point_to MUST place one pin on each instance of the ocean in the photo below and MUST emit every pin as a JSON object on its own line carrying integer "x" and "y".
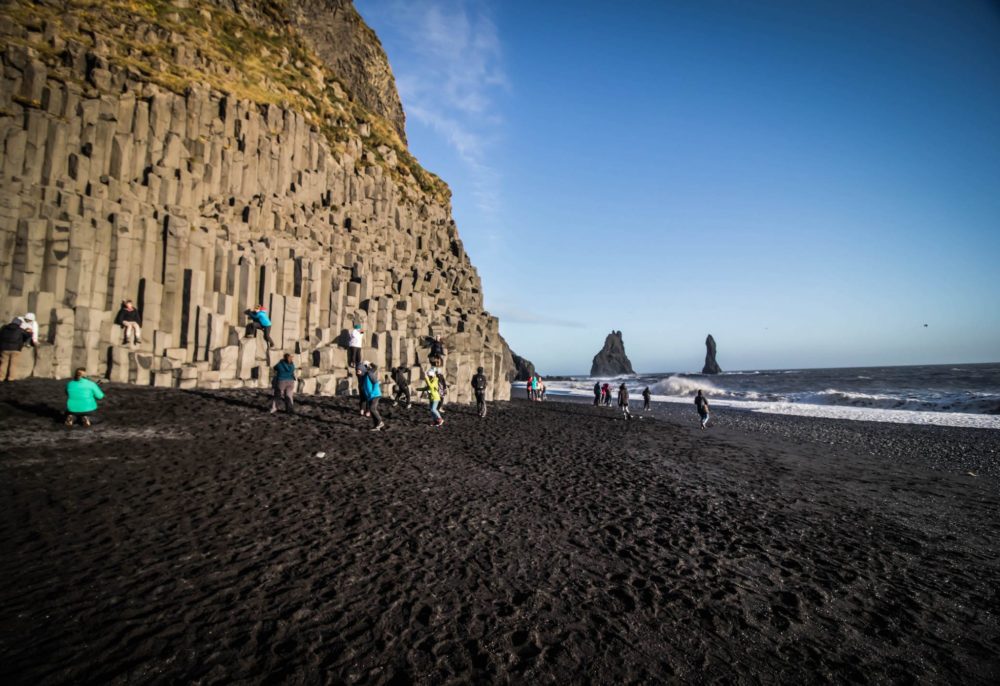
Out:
{"x": 948, "y": 395}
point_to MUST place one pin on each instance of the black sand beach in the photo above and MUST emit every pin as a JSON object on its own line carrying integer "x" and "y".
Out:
{"x": 192, "y": 537}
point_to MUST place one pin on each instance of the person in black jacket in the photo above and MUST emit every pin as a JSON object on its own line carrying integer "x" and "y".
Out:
{"x": 130, "y": 320}
{"x": 402, "y": 391}
{"x": 597, "y": 393}
{"x": 623, "y": 401}
{"x": 12, "y": 339}
{"x": 645, "y": 398}
{"x": 479, "y": 388}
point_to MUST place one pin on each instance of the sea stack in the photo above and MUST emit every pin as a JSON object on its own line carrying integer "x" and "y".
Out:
{"x": 612, "y": 360}
{"x": 711, "y": 366}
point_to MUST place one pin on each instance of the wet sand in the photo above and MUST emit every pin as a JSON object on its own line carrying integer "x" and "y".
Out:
{"x": 192, "y": 537}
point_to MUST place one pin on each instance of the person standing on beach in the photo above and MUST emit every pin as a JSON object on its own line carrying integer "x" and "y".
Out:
{"x": 12, "y": 339}
{"x": 129, "y": 319}
{"x": 259, "y": 321}
{"x": 541, "y": 389}
{"x": 284, "y": 384}
{"x": 356, "y": 340}
{"x": 361, "y": 371}
{"x": 623, "y": 401}
{"x": 645, "y": 398}
{"x": 527, "y": 387}
{"x": 534, "y": 387}
{"x": 597, "y": 393}
{"x": 373, "y": 391}
{"x": 606, "y": 389}
{"x": 479, "y": 388}
{"x": 82, "y": 395}
{"x": 701, "y": 402}
{"x": 431, "y": 386}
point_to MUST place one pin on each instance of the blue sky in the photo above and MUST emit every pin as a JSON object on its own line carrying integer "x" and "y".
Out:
{"x": 811, "y": 183}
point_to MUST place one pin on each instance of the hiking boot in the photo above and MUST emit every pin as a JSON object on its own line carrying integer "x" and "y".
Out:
{"x": 85, "y": 421}
{"x": 378, "y": 428}
{"x": 69, "y": 420}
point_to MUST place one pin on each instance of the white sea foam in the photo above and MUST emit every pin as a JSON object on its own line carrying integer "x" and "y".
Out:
{"x": 681, "y": 389}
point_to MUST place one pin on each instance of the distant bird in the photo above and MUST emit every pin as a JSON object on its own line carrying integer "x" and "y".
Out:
{"x": 925, "y": 326}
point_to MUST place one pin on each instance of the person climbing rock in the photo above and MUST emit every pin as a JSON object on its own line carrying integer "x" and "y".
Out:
{"x": 356, "y": 341}
{"x": 259, "y": 320}
{"x": 13, "y": 338}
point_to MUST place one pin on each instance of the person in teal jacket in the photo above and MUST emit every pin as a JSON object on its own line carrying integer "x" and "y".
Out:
{"x": 259, "y": 319}
{"x": 82, "y": 395}
{"x": 371, "y": 389}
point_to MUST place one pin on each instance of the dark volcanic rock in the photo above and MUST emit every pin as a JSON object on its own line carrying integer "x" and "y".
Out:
{"x": 525, "y": 369}
{"x": 612, "y": 359}
{"x": 711, "y": 366}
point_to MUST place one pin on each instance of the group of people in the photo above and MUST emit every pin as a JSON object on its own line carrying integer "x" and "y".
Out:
{"x": 535, "y": 388}
{"x": 602, "y": 396}
{"x": 370, "y": 383}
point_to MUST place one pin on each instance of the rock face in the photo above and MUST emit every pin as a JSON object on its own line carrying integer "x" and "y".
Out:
{"x": 524, "y": 369}
{"x": 612, "y": 360}
{"x": 711, "y": 366}
{"x": 155, "y": 156}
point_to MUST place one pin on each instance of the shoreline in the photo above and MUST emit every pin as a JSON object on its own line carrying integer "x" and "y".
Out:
{"x": 190, "y": 536}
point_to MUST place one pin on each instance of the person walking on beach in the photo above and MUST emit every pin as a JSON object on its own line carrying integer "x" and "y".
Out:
{"x": 606, "y": 389}
{"x": 402, "y": 390}
{"x": 527, "y": 387}
{"x": 541, "y": 389}
{"x": 373, "y": 391}
{"x": 597, "y": 393}
{"x": 431, "y": 386}
{"x": 13, "y": 338}
{"x": 361, "y": 371}
{"x": 356, "y": 340}
{"x": 534, "y": 387}
{"x": 479, "y": 388}
{"x": 259, "y": 321}
{"x": 129, "y": 319}
{"x": 645, "y": 398}
{"x": 701, "y": 402}
{"x": 623, "y": 401}
{"x": 82, "y": 395}
{"x": 284, "y": 384}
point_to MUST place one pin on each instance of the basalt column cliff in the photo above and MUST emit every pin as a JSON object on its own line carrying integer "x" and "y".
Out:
{"x": 203, "y": 157}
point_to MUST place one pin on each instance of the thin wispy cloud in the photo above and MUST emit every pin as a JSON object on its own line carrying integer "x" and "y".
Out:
{"x": 522, "y": 316}
{"x": 449, "y": 76}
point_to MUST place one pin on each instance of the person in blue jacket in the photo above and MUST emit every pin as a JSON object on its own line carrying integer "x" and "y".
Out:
{"x": 259, "y": 320}
{"x": 372, "y": 390}
{"x": 284, "y": 384}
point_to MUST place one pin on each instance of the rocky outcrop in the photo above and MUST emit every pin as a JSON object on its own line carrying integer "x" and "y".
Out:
{"x": 611, "y": 360}
{"x": 711, "y": 366}
{"x": 524, "y": 369}
{"x": 152, "y": 155}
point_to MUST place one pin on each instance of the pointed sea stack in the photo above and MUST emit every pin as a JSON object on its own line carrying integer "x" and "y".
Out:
{"x": 711, "y": 366}
{"x": 612, "y": 360}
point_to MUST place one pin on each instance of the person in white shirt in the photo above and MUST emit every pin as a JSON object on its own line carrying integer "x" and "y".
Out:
{"x": 30, "y": 324}
{"x": 355, "y": 343}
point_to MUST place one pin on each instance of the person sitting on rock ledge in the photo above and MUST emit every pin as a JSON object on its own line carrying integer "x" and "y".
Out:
{"x": 259, "y": 321}
{"x": 130, "y": 320}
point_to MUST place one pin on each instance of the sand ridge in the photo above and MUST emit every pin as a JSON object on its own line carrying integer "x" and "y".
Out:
{"x": 550, "y": 543}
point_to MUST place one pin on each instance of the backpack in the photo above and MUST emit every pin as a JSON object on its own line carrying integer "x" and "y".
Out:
{"x": 480, "y": 382}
